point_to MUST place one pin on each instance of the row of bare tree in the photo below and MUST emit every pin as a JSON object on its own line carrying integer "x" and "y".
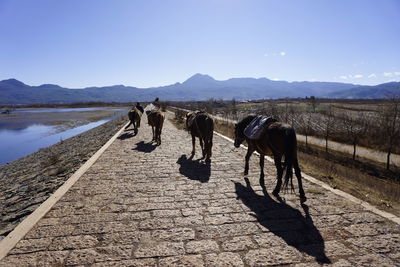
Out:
{"x": 378, "y": 129}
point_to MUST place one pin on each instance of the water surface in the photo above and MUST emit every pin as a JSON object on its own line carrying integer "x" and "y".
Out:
{"x": 18, "y": 142}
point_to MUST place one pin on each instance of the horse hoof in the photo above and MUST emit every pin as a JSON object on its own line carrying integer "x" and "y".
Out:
{"x": 303, "y": 199}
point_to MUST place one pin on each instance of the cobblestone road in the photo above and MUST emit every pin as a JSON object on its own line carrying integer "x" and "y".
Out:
{"x": 141, "y": 205}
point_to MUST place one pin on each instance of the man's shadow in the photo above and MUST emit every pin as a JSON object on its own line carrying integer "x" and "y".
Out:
{"x": 284, "y": 221}
{"x": 194, "y": 169}
{"x": 144, "y": 147}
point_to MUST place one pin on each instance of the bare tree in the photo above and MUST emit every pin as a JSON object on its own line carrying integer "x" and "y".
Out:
{"x": 328, "y": 121}
{"x": 390, "y": 126}
{"x": 209, "y": 105}
{"x": 356, "y": 126}
{"x": 305, "y": 124}
{"x": 286, "y": 111}
{"x": 313, "y": 102}
{"x": 292, "y": 113}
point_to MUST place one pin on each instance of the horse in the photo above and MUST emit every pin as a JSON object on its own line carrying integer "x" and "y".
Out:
{"x": 280, "y": 139}
{"x": 155, "y": 119}
{"x": 134, "y": 116}
{"x": 201, "y": 125}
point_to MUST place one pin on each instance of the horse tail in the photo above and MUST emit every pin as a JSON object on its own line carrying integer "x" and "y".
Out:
{"x": 290, "y": 147}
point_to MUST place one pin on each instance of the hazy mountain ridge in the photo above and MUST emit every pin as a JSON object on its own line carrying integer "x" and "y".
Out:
{"x": 383, "y": 90}
{"x": 197, "y": 87}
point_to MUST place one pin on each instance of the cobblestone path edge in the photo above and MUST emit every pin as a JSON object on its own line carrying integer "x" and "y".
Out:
{"x": 9, "y": 242}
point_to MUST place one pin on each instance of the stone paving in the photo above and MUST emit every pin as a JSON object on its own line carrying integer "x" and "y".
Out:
{"x": 145, "y": 205}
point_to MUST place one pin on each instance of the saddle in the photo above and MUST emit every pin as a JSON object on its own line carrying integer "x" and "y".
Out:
{"x": 258, "y": 126}
{"x": 192, "y": 117}
{"x": 137, "y": 111}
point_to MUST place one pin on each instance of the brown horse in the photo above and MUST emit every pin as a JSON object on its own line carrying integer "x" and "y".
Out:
{"x": 201, "y": 125}
{"x": 134, "y": 116}
{"x": 280, "y": 139}
{"x": 155, "y": 119}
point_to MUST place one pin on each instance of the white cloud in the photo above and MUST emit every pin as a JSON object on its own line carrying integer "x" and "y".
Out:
{"x": 283, "y": 53}
{"x": 387, "y": 74}
{"x": 397, "y": 73}
{"x": 344, "y": 77}
{"x": 373, "y": 75}
{"x": 275, "y": 79}
{"x": 357, "y": 76}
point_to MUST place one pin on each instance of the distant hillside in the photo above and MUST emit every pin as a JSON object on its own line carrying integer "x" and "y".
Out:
{"x": 383, "y": 90}
{"x": 197, "y": 87}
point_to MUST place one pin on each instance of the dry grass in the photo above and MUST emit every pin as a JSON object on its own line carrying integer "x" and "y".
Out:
{"x": 179, "y": 119}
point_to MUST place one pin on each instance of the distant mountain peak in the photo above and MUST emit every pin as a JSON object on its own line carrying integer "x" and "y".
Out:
{"x": 13, "y": 82}
{"x": 199, "y": 78}
{"x": 49, "y": 85}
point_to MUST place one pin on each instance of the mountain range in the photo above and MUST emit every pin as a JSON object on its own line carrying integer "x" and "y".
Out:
{"x": 197, "y": 87}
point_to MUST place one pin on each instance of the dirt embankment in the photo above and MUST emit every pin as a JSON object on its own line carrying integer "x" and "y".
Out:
{"x": 27, "y": 182}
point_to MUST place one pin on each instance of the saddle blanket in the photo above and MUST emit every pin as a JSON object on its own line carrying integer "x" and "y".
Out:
{"x": 193, "y": 116}
{"x": 137, "y": 110}
{"x": 257, "y": 126}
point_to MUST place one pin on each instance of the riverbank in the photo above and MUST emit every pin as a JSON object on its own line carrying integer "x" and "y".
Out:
{"x": 27, "y": 182}
{"x": 67, "y": 119}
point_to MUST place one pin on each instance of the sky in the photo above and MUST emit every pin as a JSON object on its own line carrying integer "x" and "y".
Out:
{"x": 82, "y": 43}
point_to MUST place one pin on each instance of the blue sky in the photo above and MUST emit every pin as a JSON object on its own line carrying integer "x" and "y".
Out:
{"x": 80, "y": 43}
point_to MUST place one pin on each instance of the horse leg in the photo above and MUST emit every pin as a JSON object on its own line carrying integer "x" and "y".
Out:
{"x": 153, "y": 134}
{"x": 279, "y": 170}
{"x": 158, "y": 130}
{"x": 262, "y": 170}
{"x": 202, "y": 145}
{"x": 193, "y": 144}
{"x": 297, "y": 171}
{"x": 211, "y": 144}
{"x": 209, "y": 149}
{"x": 250, "y": 151}
{"x": 157, "y": 136}
{"x": 128, "y": 125}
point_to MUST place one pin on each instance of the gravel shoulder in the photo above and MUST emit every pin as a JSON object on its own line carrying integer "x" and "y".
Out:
{"x": 27, "y": 182}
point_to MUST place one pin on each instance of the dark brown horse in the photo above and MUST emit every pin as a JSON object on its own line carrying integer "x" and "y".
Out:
{"x": 280, "y": 139}
{"x": 201, "y": 125}
{"x": 134, "y": 116}
{"x": 155, "y": 119}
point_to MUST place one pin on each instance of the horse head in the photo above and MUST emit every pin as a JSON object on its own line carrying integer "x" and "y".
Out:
{"x": 239, "y": 136}
{"x": 239, "y": 130}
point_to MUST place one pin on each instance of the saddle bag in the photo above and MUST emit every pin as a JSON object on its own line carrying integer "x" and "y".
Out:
{"x": 257, "y": 127}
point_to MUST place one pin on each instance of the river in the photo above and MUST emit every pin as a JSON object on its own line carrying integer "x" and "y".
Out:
{"x": 29, "y": 130}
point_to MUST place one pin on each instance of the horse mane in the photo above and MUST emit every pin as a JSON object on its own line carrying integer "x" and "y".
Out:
{"x": 241, "y": 125}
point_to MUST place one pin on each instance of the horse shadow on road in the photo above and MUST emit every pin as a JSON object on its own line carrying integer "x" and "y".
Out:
{"x": 284, "y": 221}
{"x": 194, "y": 169}
{"x": 144, "y": 147}
{"x": 126, "y": 136}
